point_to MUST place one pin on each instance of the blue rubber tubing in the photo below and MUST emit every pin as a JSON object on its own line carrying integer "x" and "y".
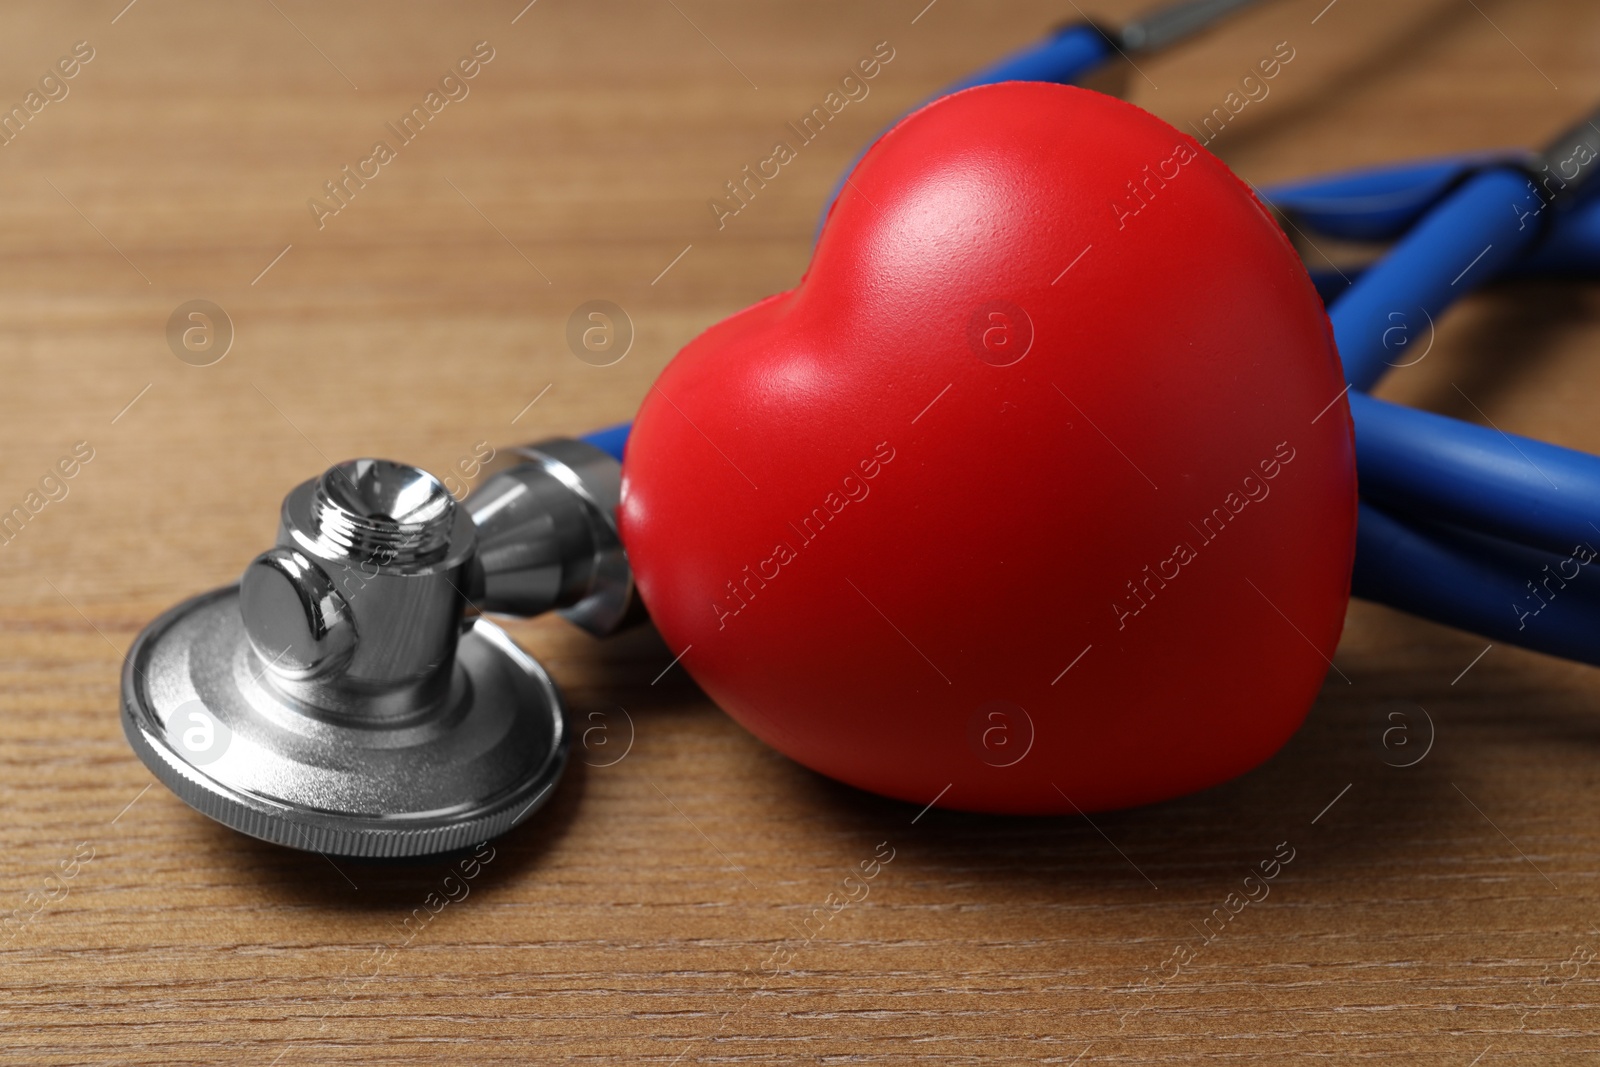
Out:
{"x": 1381, "y": 203}
{"x": 1548, "y": 602}
{"x": 1376, "y": 203}
{"x": 1506, "y": 485}
{"x": 612, "y": 440}
{"x": 1473, "y": 234}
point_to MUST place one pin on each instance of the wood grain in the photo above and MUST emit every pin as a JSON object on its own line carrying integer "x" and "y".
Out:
{"x": 1441, "y": 914}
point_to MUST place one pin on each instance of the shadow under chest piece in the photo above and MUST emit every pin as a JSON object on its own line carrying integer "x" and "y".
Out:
{"x": 346, "y": 696}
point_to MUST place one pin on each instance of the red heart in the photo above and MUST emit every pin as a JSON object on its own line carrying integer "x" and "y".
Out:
{"x": 1036, "y": 495}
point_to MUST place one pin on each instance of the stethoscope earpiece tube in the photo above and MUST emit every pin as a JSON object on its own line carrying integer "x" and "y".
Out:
{"x": 1505, "y": 592}
{"x": 1513, "y": 487}
{"x": 1473, "y": 234}
{"x": 1378, "y": 203}
{"x": 1462, "y": 523}
{"x": 1381, "y": 203}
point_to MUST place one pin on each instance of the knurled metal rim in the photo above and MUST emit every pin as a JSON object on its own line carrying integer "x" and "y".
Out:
{"x": 334, "y": 833}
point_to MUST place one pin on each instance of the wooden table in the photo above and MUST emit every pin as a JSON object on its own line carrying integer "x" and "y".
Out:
{"x": 1444, "y": 913}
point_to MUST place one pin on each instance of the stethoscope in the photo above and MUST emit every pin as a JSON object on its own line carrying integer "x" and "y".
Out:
{"x": 348, "y": 695}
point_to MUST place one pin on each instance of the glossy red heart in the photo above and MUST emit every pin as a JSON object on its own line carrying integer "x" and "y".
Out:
{"x": 1036, "y": 495}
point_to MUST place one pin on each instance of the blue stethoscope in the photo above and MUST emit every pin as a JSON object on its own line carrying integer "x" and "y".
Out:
{"x": 1462, "y": 524}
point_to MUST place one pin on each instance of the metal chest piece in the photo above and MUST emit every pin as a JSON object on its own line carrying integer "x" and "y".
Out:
{"x": 345, "y": 696}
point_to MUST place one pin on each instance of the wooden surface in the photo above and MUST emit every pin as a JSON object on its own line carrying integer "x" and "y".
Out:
{"x": 1444, "y": 913}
